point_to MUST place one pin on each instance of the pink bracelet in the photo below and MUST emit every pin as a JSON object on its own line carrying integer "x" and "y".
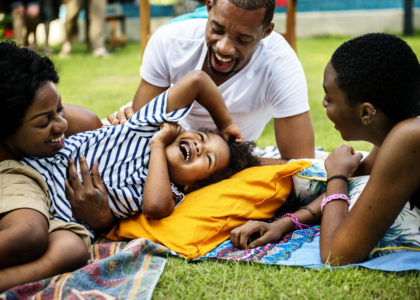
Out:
{"x": 299, "y": 225}
{"x": 334, "y": 197}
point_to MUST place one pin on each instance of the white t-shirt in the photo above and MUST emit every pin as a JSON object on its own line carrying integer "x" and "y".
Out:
{"x": 271, "y": 85}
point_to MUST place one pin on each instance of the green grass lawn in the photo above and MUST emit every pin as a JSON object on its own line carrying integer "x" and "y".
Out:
{"x": 103, "y": 85}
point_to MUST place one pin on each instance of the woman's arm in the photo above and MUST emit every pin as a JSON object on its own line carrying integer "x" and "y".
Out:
{"x": 157, "y": 196}
{"x": 349, "y": 237}
{"x": 273, "y": 232}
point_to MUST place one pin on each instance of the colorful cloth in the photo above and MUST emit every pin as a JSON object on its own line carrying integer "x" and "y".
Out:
{"x": 116, "y": 270}
{"x": 398, "y": 250}
{"x": 302, "y": 249}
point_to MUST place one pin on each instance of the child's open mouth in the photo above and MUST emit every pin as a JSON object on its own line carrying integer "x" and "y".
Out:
{"x": 185, "y": 150}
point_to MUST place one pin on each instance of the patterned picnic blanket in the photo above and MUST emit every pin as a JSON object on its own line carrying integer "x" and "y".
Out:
{"x": 398, "y": 250}
{"x": 116, "y": 270}
{"x": 302, "y": 249}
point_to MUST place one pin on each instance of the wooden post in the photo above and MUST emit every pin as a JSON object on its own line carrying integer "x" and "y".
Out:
{"x": 408, "y": 17}
{"x": 291, "y": 23}
{"x": 144, "y": 12}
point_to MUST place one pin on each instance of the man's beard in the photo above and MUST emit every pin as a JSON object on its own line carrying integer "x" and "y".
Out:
{"x": 217, "y": 72}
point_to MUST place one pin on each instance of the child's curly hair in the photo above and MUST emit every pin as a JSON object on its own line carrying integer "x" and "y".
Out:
{"x": 241, "y": 156}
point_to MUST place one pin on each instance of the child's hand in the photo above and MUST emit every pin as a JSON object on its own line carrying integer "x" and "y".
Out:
{"x": 167, "y": 133}
{"x": 232, "y": 132}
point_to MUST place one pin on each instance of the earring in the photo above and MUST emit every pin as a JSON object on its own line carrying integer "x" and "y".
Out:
{"x": 365, "y": 122}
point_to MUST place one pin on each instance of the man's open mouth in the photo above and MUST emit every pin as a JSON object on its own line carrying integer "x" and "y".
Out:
{"x": 185, "y": 150}
{"x": 223, "y": 64}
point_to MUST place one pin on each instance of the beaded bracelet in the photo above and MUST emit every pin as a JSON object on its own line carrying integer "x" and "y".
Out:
{"x": 342, "y": 177}
{"x": 299, "y": 225}
{"x": 333, "y": 197}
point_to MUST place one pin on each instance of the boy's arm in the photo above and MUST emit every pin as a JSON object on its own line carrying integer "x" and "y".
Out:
{"x": 198, "y": 86}
{"x": 157, "y": 195}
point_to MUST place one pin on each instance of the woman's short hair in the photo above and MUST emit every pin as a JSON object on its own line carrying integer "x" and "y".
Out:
{"x": 380, "y": 69}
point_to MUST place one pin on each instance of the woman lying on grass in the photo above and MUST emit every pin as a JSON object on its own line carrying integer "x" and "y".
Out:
{"x": 147, "y": 163}
{"x": 32, "y": 245}
{"x": 372, "y": 93}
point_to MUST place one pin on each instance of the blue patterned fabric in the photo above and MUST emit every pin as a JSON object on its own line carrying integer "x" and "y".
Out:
{"x": 398, "y": 250}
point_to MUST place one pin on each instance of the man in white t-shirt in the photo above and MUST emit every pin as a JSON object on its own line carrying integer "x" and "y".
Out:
{"x": 256, "y": 70}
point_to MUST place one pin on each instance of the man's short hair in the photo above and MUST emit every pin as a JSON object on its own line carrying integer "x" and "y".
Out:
{"x": 269, "y": 6}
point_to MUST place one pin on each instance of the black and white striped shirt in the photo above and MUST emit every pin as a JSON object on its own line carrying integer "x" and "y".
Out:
{"x": 122, "y": 153}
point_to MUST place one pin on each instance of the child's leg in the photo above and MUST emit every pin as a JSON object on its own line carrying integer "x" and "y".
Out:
{"x": 66, "y": 252}
{"x": 23, "y": 237}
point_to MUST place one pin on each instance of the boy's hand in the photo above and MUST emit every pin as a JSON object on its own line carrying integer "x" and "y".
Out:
{"x": 167, "y": 133}
{"x": 232, "y": 133}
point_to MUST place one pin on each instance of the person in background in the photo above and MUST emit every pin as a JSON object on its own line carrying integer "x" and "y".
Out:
{"x": 25, "y": 20}
{"x": 96, "y": 14}
{"x": 48, "y": 12}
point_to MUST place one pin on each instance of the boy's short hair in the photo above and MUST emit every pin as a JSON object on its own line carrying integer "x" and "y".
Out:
{"x": 22, "y": 73}
{"x": 241, "y": 156}
{"x": 380, "y": 69}
{"x": 269, "y": 6}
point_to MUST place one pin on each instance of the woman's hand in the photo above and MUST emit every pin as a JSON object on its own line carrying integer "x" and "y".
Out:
{"x": 88, "y": 199}
{"x": 269, "y": 233}
{"x": 343, "y": 160}
{"x": 232, "y": 132}
{"x": 167, "y": 133}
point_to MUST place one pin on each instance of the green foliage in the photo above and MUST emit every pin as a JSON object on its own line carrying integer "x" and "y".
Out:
{"x": 103, "y": 85}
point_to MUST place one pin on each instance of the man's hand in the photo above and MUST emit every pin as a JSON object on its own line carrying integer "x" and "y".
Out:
{"x": 88, "y": 199}
{"x": 167, "y": 133}
{"x": 121, "y": 117}
{"x": 232, "y": 132}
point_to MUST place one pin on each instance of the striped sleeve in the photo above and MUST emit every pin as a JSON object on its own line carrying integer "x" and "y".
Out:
{"x": 154, "y": 113}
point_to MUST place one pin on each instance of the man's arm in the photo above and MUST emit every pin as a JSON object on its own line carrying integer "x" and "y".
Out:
{"x": 146, "y": 92}
{"x": 80, "y": 119}
{"x": 295, "y": 136}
